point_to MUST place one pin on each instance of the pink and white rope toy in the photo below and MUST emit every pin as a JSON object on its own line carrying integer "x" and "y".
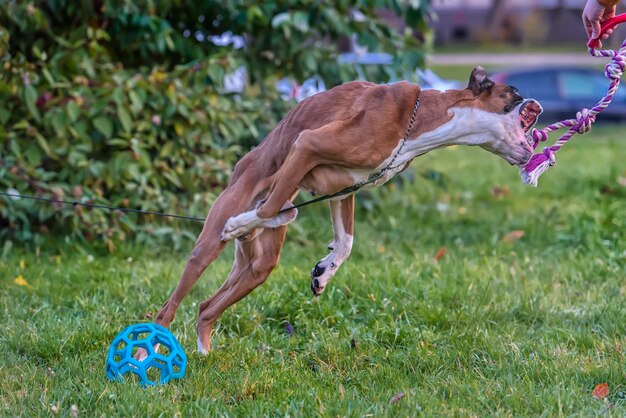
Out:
{"x": 540, "y": 162}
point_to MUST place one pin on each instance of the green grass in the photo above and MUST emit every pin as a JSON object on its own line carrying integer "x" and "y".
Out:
{"x": 523, "y": 328}
{"x": 458, "y": 72}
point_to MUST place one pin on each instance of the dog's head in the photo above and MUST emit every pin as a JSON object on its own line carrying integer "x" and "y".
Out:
{"x": 506, "y": 118}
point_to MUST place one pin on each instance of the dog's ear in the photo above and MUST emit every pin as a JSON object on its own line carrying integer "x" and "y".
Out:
{"x": 479, "y": 82}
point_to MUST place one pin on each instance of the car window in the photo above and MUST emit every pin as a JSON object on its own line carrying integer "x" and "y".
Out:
{"x": 578, "y": 85}
{"x": 540, "y": 85}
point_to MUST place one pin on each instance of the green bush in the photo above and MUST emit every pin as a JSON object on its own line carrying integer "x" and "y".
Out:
{"x": 156, "y": 141}
{"x": 111, "y": 102}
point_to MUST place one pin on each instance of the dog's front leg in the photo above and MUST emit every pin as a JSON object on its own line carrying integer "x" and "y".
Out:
{"x": 342, "y": 213}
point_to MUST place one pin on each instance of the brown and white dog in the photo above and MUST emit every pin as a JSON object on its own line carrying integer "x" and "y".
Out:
{"x": 329, "y": 142}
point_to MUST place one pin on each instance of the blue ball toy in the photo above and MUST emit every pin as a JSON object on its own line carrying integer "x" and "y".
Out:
{"x": 158, "y": 367}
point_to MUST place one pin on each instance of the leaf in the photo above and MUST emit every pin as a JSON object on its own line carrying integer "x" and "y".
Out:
{"x": 172, "y": 178}
{"x": 601, "y": 391}
{"x": 4, "y": 116}
{"x": 216, "y": 73}
{"x": 59, "y": 121}
{"x": 157, "y": 76}
{"x": 440, "y": 253}
{"x": 104, "y": 126}
{"x": 513, "y": 235}
{"x": 179, "y": 128}
{"x": 309, "y": 62}
{"x": 279, "y": 19}
{"x": 301, "y": 21}
{"x": 34, "y": 155}
{"x": 43, "y": 144}
{"x": 395, "y": 398}
{"x": 19, "y": 280}
{"x": 48, "y": 76}
{"x": 118, "y": 96}
{"x": 167, "y": 149}
{"x": 255, "y": 13}
{"x": 124, "y": 118}
{"x": 500, "y": 191}
{"x": 73, "y": 110}
{"x": 136, "y": 102}
{"x": 30, "y": 97}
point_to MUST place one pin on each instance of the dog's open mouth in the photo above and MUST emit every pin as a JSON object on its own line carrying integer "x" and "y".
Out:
{"x": 529, "y": 111}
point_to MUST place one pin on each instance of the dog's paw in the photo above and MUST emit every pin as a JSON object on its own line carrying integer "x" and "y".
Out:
{"x": 326, "y": 268}
{"x": 319, "y": 279}
{"x": 202, "y": 349}
{"x": 228, "y": 231}
{"x": 240, "y": 225}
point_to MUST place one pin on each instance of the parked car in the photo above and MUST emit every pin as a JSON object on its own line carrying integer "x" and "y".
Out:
{"x": 563, "y": 91}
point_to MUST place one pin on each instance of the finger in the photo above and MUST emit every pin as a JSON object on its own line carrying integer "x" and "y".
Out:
{"x": 606, "y": 34}
{"x": 595, "y": 29}
{"x": 609, "y": 12}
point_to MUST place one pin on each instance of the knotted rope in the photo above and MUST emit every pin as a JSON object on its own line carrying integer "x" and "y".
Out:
{"x": 582, "y": 123}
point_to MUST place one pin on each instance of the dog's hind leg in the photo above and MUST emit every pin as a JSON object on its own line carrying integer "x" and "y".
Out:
{"x": 254, "y": 261}
{"x": 342, "y": 213}
{"x": 207, "y": 248}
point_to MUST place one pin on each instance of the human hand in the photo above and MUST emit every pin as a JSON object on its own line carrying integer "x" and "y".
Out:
{"x": 594, "y": 15}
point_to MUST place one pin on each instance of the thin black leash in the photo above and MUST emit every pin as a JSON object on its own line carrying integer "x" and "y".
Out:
{"x": 90, "y": 205}
{"x": 348, "y": 190}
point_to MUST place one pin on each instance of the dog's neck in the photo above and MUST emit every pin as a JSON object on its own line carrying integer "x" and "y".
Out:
{"x": 450, "y": 119}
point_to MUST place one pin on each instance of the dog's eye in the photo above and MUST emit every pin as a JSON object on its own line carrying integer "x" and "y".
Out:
{"x": 503, "y": 96}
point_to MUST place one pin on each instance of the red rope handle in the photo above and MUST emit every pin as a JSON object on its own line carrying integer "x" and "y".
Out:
{"x": 609, "y": 24}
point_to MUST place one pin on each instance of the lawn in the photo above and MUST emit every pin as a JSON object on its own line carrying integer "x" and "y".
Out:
{"x": 523, "y": 315}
